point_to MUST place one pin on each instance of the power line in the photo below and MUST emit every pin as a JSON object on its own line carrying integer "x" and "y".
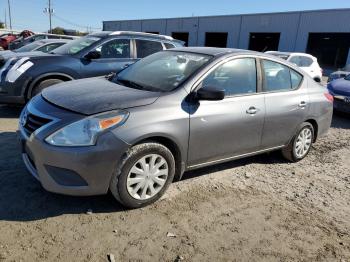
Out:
{"x": 74, "y": 24}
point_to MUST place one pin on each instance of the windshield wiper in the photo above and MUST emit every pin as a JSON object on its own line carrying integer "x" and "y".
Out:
{"x": 131, "y": 84}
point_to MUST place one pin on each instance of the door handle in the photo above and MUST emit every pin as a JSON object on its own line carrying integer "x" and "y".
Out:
{"x": 302, "y": 104}
{"x": 252, "y": 110}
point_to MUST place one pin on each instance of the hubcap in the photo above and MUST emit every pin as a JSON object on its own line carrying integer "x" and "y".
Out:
{"x": 147, "y": 177}
{"x": 303, "y": 143}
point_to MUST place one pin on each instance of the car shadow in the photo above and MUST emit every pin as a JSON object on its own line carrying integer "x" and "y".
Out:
{"x": 341, "y": 120}
{"x": 22, "y": 198}
{"x": 7, "y": 111}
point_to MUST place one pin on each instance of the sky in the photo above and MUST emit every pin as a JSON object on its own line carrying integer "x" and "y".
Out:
{"x": 81, "y": 14}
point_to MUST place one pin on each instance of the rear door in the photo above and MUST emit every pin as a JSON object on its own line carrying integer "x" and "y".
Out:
{"x": 286, "y": 100}
{"x": 115, "y": 55}
{"x": 233, "y": 126}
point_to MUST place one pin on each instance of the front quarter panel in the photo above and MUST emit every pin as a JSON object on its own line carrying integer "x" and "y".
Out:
{"x": 168, "y": 118}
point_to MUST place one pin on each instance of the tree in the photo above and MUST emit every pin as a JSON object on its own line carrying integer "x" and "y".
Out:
{"x": 58, "y": 31}
{"x": 2, "y": 25}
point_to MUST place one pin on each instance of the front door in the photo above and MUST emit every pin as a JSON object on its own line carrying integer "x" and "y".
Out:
{"x": 233, "y": 126}
{"x": 115, "y": 55}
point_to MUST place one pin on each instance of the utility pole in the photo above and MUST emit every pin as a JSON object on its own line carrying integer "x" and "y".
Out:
{"x": 10, "y": 18}
{"x": 49, "y": 11}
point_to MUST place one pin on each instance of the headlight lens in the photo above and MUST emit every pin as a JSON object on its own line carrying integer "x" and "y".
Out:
{"x": 85, "y": 132}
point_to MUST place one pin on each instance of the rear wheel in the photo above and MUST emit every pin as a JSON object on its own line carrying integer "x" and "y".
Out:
{"x": 144, "y": 175}
{"x": 44, "y": 84}
{"x": 301, "y": 143}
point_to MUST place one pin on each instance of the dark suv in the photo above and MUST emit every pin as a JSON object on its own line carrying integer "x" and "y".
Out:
{"x": 27, "y": 74}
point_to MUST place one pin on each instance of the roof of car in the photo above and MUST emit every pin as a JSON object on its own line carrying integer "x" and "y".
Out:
{"x": 289, "y": 53}
{"x": 214, "y": 51}
{"x": 48, "y": 41}
{"x": 132, "y": 33}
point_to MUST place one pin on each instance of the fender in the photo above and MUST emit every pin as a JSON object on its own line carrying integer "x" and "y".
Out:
{"x": 39, "y": 78}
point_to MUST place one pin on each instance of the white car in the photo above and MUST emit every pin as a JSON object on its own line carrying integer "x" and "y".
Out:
{"x": 305, "y": 61}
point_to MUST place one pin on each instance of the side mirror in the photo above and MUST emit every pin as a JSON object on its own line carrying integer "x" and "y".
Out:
{"x": 210, "y": 93}
{"x": 92, "y": 55}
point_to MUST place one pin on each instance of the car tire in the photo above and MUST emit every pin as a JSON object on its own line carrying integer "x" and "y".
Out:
{"x": 299, "y": 147}
{"x": 130, "y": 193}
{"x": 44, "y": 84}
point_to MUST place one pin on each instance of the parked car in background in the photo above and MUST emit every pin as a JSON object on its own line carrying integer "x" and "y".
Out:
{"x": 341, "y": 73}
{"x": 172, "y": 111}
{"x": 97, "y": 54}
{"x": 46, "y": 45}
{"x": 340, "y": 90}
{"x": 306, "y": 62}
{"x": 22, "y": 41}
{"x": 8, "y": 38}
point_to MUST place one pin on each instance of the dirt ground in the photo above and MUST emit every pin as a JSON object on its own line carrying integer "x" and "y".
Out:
{"x": 257, "y": 209}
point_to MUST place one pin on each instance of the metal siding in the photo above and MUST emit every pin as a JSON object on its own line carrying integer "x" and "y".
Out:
{"x": 226, "y": 24}
{"x": 293, "y": 26}
{"x": 337, "y": 21}
{"x": 286, "y": 24}
{"x": 155, "y": 25}
{"x": 184, "y": 25}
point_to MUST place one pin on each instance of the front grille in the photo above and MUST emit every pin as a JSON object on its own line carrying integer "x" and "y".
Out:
{"x": 34, "y": 122}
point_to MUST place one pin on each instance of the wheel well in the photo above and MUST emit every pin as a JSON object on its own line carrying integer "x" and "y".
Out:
{"x": 36, "y": 82}
{"x": 174, "y": 149}
{"x": 315, "y": 126}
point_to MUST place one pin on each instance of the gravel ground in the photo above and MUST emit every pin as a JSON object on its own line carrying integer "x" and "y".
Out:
{"x": 257, "y": 209}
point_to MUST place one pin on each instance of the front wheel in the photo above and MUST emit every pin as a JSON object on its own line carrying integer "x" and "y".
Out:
{"x": 301, "y": 143}
{"x": 44, "y": 84}
{"x": 144, "y": 175}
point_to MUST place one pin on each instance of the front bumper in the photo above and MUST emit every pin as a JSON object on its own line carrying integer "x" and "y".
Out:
{"x": 80, "y": 171}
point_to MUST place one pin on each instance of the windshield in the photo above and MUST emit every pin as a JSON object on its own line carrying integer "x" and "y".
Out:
{"x": 347, "y": 77}
{"x": 75, "y": 46}
{"x": 28, "y": 48}
{"x": 163, "y": 71}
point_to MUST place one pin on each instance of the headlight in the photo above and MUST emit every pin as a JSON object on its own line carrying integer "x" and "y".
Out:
{"x": 18, "y": 69}
{"x": 85, "y": 132}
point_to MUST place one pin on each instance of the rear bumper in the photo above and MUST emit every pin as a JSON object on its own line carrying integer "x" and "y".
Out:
{"x": 341, "y": 105}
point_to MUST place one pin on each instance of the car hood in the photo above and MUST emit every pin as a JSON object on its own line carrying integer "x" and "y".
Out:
{"x": 96, "y": 95}
{"x": 340, "y": 87}
{"x": 5, "y": 55}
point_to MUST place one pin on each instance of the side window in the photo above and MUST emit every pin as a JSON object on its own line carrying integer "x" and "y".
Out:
{"x": 169, "y": 46}
{"x": 295, "y": 60}
{"x": 145, "y": 48}
{"x": 235, "y": 77}
{"x": 49, "y": 47}
{"x": 306, "y": 61}
{"x": 276, "y": 76}
{"x": 296, "y": 78}
{"x": 117, "y": 48}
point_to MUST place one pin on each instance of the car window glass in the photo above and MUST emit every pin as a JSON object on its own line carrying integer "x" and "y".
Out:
{"x": 235, "y": 77}
{"x": 77, "y": 45}
{"x": 296, "y": 78}
{"x": 295, "y": 60}
{"x": 276, "y": 76}
{"x": 306, "y": 61}
{"x": 169, "y": 46}
{"x": 117, "y": 48}
{"x": 48, "y": 48}
{"x": 146, "y": 48}
{"x": 39, "y": 37}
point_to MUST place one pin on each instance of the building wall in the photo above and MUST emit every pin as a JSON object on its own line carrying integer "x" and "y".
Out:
{"x": 294, "y": 27}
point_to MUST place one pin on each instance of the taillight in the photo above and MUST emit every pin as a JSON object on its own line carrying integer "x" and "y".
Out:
{"x": 329, "y": 97}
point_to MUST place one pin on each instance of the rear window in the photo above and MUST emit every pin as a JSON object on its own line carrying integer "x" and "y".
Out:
{"x": 169, "y": 46}
{"x": 145, "y": 48}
